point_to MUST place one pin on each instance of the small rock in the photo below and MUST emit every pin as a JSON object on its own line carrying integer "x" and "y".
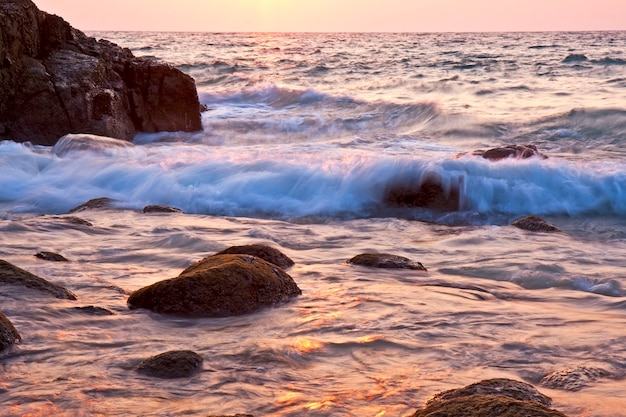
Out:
{"x": 535, "y": 224}
{"x": 11, "y": 274}
{"x": 573, "y": 379}
{"x": 95, "y": 203}
{"x": 218, "y": 286}
{"x": 172, "y": 364}
{"x": 8, "y": 333}
{"x": 508, "y": 151}
{"x": 51, "y": 256}
{"x": 427, "y": 192}
{"x": 575, "y": 58}
{"x": 161, "y": 209}
{"x": 386, "y": 261}
{"x": 76, "y": 220}
{"x": 94, "y": 311}
{"x": 267, "y": 253}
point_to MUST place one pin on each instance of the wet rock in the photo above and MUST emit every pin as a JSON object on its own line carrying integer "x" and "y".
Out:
{"x": 218, "y": 286}
{"x": 172, "y": 364}
{"x": 428, "y": 192}
{"x": 267, "y": 253}
{"x": 490, "y": 398}
{"x": 575, "y": 58}
{"x": 508, "y": 151}
{"x": 573, "y": 379}
{"x": 535, "y": 224}
{"x": 51, "y": 256}
{"x": 75, "y": 220}
{"x": 11, "y": 274}
{"x": 386, "y": 261}
{"x": 55, "y": 80}
{"x": 8, "y": 333}
{"x": 94, "y": 311}
{"x": 161, "y": 209}
{"x": 95, "y": 203}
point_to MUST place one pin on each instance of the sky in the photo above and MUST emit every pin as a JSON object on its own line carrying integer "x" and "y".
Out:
{"x": 340, "y": 15}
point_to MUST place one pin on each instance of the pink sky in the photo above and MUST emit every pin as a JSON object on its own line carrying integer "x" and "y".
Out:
{"x": 341, "y": 15}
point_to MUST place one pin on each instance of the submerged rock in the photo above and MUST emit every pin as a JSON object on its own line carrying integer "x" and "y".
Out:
{"x": 490, "y": 398}
{"x": 535, "y": 224}
{"x": 218, "y": 286}
{"x": 161, "y": 209}
{"x": 508, "y": 151}
{"x": 94, "y": 311}
{"x": 573, "y": 379}
{"x": 55, "y": 80}
{"x": 172, "y": 364}
{"x": 267, "y": 253}
{"x": 51, "y": 256}
{"x": 575, "y": 58}
{"x": 83, "y": 142}
{"x": 386, "y": 261}
{"x": 428, "y": 192}
{"x": 8, "y": 333}
{"x": 11, "y": 274}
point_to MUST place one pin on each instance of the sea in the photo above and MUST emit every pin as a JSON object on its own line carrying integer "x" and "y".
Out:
{"x": 303, "y": 134}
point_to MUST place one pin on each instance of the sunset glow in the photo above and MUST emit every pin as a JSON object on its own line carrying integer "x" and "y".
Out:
{"x": 341, "y": 16}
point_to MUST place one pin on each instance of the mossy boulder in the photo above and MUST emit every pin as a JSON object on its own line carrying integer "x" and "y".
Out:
{"x": 497, "y": 397}
{"x": 386, "y": 261}
{"x": 11, "y": 274}
{"x": 267, "y": 253}
{"x": 172, "y": 364}
{"x": 218, "y": 286}
{"x": 8, "y": 333}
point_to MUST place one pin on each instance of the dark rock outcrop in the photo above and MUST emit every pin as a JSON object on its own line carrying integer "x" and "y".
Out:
{"x": 490, "y": 398}
{"x": 386, "y": 261}
{"x": 8, "y": 333}
{"x": 429, "y": 193}
{"x": 573, "y": 379}
{"x": 161, "y": 209}
{"x": 267, "y": 253}
{"x": 56, "y": 80}
{"x": 535, "y": 224}
{"x": 508, "y": 151}
{"x": 94, "y": 204}
{"x": 51, "y": 256}
{"x": 172, "y": 364}
{"x": 218, "y": 286}
{"x": 11, "y": 274}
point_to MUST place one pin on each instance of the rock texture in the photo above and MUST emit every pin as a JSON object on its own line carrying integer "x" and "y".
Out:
{"x": 161, "y": 209}
{"x": 56, "y": 80}
{"x": 267, "y": 253}
{"x": 490, "y": 398}
{"x": 8, "y": 334}
{"x": 218, "y": 286}
{"x": 172, "y": 364}
{"x": 507, "y": 151}
{"x": 386, "y": 261}
{"x": 573, "y": 379}
{"x": 11, "y": 274}
{"x": 535, "y": 224}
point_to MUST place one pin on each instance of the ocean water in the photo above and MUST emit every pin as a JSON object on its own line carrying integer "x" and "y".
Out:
{"x": 303, "y": 135}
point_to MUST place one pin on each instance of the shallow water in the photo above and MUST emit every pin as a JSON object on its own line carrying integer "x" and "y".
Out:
{"x": 304, "y": 135}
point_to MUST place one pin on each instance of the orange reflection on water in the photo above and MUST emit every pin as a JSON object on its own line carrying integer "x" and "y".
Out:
{"x": 316, "y": 405}
{"x": 304, "y": 345}
{"x": 288, "y": 398}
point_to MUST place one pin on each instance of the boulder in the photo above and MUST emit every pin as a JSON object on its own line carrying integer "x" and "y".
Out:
{"x": 161, "y": 209}
{"x": 172, "y": 364}
{"x": 218, "y": 286}
{"x": 573, "y": 379}
{"x": 267, "y": 253}
{"x": 8, "y": 334}
{"x": 94, "y": 204}
{"x": 51, "y": 256}
{"x": 535, "y": 224}
{"x": 55, "y": 80}
{"x": 428, "y": 192}
{"x": 490, "y": 398}
{"x": 11, "y": 274}
{"x": 507, "y": 151}
{"x": 386, "y": 261}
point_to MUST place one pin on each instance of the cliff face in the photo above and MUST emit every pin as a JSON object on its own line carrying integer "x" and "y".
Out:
{"x": 56, "y": 80}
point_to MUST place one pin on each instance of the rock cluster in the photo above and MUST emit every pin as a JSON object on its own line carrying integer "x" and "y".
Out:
{"x": 56, "y": 80}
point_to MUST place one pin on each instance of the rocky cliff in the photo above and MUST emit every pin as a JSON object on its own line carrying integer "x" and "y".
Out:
{"x": 56, "y": 80}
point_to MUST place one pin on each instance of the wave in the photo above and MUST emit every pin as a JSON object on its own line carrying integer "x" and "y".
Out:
{"x": 308, "y": 180}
